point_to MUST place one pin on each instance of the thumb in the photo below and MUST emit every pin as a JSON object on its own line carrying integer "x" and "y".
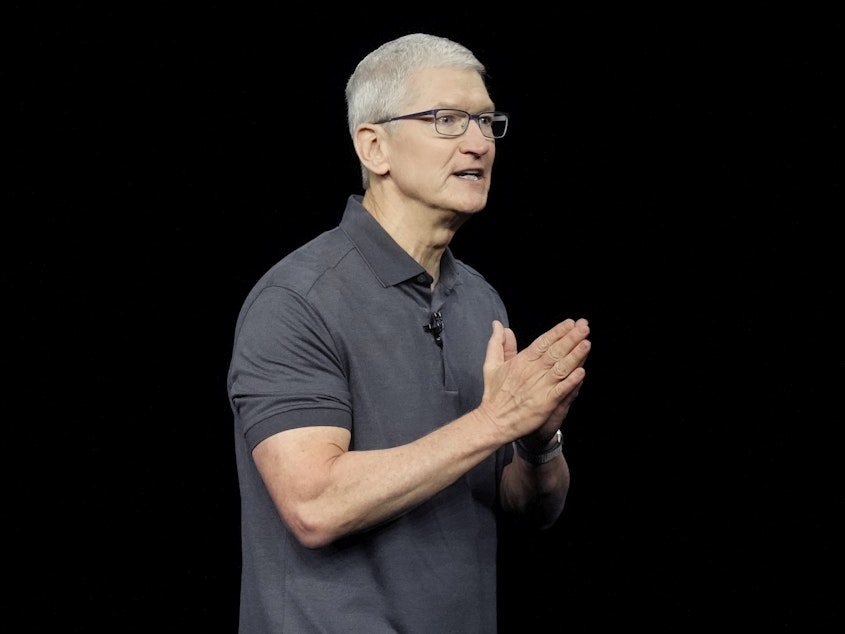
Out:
{"x": 501, "y": 346}
{"x": 496, "y": 345}
{"x": 509, "y": 345}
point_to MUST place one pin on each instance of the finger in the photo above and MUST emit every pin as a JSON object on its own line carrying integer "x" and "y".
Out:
{"x": 509, "y": 345}
{"x": 572, "y": 360}
{"x": 542, "y": 344}
{"x": 496, "y": 344}
{"x": 568, "y": 388}
{"x": 571, "y": 341}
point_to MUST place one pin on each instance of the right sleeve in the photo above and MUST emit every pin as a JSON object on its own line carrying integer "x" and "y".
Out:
{"x": 286, "y": 369}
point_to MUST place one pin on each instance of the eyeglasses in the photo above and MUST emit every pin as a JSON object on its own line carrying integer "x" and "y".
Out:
{"x": 449, "y": 122}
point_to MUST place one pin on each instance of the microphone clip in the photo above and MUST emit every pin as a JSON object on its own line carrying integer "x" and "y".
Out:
{"x": 435, "y": 327}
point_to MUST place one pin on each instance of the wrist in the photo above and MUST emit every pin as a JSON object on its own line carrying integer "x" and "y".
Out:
{"x": 542, "y": 455}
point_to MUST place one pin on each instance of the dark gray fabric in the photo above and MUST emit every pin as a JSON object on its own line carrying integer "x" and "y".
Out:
{"x": 334, "y": 335}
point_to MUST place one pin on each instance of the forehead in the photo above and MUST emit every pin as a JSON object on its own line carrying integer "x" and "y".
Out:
{"x": 449, "y": 87}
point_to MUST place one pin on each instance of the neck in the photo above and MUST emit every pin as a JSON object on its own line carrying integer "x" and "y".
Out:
{"x": 422, "y": 231}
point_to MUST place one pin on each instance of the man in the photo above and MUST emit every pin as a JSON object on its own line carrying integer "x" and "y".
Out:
{"x": 383, "y": 416}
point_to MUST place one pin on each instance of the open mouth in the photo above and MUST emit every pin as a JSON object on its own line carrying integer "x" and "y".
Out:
{"x": 470, "y": 175}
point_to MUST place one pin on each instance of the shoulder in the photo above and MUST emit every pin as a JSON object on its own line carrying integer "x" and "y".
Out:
{"x": 473, "y": 278}
{"x": 302, "y": 267}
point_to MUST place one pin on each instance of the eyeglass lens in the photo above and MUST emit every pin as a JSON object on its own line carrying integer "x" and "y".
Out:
{"x": 455, "y": 122}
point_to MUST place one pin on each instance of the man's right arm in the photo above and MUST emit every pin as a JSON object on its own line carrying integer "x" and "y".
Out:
{"x": 324, "y": 491}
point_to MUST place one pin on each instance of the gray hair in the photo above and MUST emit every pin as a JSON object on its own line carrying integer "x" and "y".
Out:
{"x": 377, "y": 89}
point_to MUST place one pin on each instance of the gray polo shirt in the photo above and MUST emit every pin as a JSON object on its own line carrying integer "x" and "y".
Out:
{"x": 334, "y": 334}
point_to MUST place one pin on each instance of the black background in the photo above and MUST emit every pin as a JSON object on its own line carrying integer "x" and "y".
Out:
{"x": 672, "y": 175}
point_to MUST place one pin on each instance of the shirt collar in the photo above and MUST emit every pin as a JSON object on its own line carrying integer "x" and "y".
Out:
{"x": 389, "y": 262}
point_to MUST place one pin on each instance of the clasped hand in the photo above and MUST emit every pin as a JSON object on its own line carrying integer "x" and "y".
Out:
{"x": 527, "y": 393}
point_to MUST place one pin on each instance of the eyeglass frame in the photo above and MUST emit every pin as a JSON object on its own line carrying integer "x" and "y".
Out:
{"x": 470, "y": 117}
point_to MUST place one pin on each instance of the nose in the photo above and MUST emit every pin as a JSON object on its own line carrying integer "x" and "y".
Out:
{"x": 473, "y": 140}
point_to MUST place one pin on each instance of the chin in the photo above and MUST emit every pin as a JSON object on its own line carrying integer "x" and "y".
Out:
{"x": 477, "y": 205}
{"x": 470, "y": 203}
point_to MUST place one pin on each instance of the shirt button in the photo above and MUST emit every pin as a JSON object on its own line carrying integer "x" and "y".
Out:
{"x": 421, "y": 278}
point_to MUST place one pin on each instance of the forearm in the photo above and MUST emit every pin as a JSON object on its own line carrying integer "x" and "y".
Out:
{"x": 323, "y": 491}
{"x": 350, "y": 491}
{"x": 535, "y": 492}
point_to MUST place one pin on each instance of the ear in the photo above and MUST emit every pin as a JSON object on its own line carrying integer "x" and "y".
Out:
{"x": 371, "y": 146}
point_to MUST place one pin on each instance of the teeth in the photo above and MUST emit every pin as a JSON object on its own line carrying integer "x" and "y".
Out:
{"x": 472, "y": 177}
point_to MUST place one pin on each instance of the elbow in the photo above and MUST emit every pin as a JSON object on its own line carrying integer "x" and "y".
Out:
{"x": 311, "y": 531}
{"x": 312, "y": 539}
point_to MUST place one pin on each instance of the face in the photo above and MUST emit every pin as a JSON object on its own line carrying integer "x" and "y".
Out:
{"x": 444, "y": 173}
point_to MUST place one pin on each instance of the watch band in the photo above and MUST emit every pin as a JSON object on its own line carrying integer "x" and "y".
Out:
{"x": 542, "y": 457}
